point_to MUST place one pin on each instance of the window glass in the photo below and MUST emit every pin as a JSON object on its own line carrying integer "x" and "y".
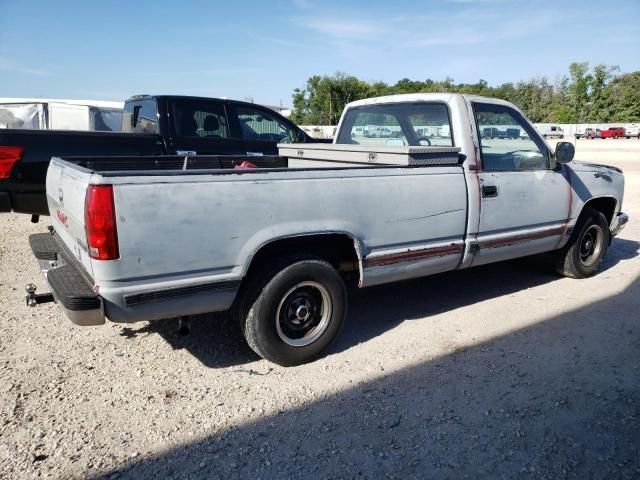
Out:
{"x": 22, "y": 116}
{"x": 257, "y": 124}
{"x": 201, "y": 119}
{"x": 397, "y": 125}
{"x": 506, "y": 140}
{"x": 140, "y": 117}
{"x": 105, "y": 120}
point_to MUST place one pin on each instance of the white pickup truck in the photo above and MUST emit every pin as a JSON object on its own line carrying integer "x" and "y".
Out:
{"x": 167, "y": 237}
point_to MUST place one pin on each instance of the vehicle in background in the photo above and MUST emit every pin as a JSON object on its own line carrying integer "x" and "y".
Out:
{"x": 49, "y": 114}
{"x": 495, "y": 132}
{"x": 150, "y": 125}
{"x": 550, "y": 131}
{"x": 591, "y": 133}
{"x": 613, "y": 132}
{"x": 632, "y": 130}
{"x": 145, "y": 239}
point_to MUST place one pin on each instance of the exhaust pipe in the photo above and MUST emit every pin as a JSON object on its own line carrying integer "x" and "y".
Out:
{"x": 184, "y": 326}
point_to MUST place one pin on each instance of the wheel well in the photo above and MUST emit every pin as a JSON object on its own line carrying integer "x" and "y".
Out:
{"x": 336, "y": 248}
{"x": 606, "y": 205}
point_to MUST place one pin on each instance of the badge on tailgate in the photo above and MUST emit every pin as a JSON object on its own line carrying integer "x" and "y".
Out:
{"x": 64, "y": 219}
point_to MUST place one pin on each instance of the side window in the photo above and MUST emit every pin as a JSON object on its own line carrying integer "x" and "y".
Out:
{"x": 257, "y": 124}
{"x": 140, "y": 117}
{"x": 507, "y": 141}
{"x": 201, "y": 119}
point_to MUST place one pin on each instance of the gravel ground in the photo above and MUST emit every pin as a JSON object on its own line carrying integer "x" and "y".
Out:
{"x": 499, "y": 372}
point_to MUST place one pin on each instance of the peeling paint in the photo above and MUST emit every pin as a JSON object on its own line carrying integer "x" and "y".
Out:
{"x": 527, "y": 237}
{"x": 412, "y": 255}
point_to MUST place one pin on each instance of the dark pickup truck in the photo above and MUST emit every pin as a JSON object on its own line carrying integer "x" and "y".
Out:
{"x": 151, "y": 126}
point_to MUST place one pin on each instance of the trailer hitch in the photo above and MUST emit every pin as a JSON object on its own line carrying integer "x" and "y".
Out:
{"x": 34, "y": 298}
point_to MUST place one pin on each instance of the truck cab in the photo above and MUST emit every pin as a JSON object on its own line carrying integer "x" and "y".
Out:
{"x": 208, "y": 126}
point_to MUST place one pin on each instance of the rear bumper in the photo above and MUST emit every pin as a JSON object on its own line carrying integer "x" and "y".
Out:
{"x": 73, "y": 290}
{"x": 618, "y": 223}
{"x": 70, "y": 286}
{"x": 31, "y": 203}
{"x": 5, "y": 202}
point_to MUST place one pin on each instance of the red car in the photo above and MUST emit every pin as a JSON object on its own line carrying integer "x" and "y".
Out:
{"x": 613, "y": 132}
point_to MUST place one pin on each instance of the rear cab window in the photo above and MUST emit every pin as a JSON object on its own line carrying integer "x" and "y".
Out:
{"x": 140, "y": 116}
{"x": 401, "y": 124}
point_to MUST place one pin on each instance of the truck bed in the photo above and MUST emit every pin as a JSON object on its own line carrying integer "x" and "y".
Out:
{"x": 340, "y": 157}
{"x": 190, "y": 221}
{"x": 172, "y": 164}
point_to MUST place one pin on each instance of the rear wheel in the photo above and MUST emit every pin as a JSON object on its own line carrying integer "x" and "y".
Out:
{"x": 293, "y": 313}
{"x": 584, "y": 252}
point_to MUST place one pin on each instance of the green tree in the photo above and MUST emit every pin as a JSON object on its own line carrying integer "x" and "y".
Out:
{"x": 577, "y": 93}
{"x": 601, "y": 101}
{"x": 324, "y": 98}
{"x": 584, "y": 95}
{"x": 624, "y": 92}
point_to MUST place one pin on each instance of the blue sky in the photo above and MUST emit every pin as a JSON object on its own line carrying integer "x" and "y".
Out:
{"x": 265, "y": 49}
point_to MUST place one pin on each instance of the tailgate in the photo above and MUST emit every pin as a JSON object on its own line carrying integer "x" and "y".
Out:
{"x": 66, "y": 191}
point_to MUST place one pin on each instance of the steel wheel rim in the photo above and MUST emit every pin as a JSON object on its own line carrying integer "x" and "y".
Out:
{"x": 591, "y": 245}
{"x": 303, "y": 314}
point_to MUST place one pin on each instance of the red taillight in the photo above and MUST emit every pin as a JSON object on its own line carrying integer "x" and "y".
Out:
{"x": 8, "y": 158}
{"x": 100, "y": 223}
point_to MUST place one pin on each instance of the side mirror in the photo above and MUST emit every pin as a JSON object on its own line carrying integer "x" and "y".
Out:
{"x": 301, "y": 137}
{"x": 564, "y": 152}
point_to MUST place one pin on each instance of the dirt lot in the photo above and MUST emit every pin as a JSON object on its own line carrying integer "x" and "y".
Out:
{"x": 502, "y": 371}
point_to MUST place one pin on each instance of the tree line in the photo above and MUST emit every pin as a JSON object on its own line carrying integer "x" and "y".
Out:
{"x": 600, "y": 94}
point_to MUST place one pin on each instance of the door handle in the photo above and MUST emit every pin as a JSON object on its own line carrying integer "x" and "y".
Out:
{"x": 489, "y": 191}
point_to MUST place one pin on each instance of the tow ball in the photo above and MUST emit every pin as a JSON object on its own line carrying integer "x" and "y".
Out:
{"x": 34, "y": 298}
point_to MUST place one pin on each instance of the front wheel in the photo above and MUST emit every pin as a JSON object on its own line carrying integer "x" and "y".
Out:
{"x": 584, "y": 252}
{"x": 293, "y": 313}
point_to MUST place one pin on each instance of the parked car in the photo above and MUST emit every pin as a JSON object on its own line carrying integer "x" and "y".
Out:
{"x": 151, "y": 126}
{"x": 613, "y": 132}
{"x": 592, "y": 133}
{"x": 589, "y": 133}
{"x": 550, "y": 131}
{"x": 142, "y": 239}
{"x": 632, "y": 130}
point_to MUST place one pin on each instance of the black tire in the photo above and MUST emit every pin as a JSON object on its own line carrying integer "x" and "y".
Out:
{"x": 300, "y": 284}
{"x": 586, "y": 248}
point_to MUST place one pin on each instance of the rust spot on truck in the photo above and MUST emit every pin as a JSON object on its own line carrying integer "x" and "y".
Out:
{"x": 413, "y": 255}
{"x": 566, "y": 173}
{"x": 527, "y": 237}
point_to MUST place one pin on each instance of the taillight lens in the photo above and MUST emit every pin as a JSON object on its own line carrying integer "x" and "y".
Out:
{"x": 100, "y": 223}
{"x": 8, "y": 158}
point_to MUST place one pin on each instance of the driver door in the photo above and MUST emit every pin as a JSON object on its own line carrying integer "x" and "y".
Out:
{"x": 201, "y": 127}
{"x": 524, "y": 202}
{"x": 262, "y": 130}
